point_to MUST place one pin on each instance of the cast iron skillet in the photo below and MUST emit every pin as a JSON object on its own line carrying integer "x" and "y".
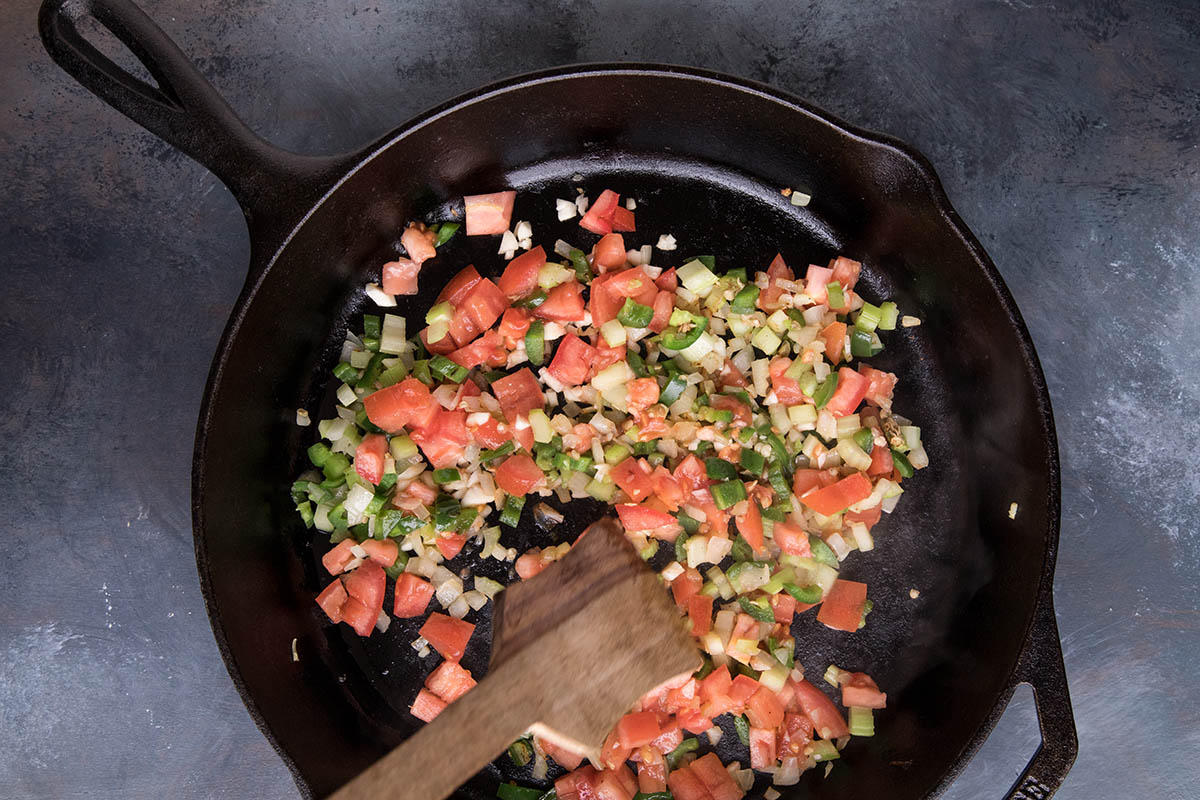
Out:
{"x": 705, "y": 155}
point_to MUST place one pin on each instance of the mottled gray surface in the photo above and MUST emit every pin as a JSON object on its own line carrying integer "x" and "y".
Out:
{"x": 1066, "y": 137}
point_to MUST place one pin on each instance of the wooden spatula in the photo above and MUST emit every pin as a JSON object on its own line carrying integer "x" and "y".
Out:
{"x": 572, "y": 650}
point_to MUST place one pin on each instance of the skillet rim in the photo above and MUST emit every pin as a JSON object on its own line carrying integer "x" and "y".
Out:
{"x": 262, "y": 261}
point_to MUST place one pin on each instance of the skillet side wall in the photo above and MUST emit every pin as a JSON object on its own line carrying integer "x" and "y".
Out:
{"x": 945, "y": 659}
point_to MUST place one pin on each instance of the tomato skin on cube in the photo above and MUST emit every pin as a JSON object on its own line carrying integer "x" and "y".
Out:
{"x": 827, "y": 721}
{"x": 764, "y": 710}
{"x": 637, "y": 729}
{"x": 332, "y": 599}
{"x": 518, "y": 394}
{"x": 447, "y": 635}
{"x": 860, "y": 691}
{"x": 842, "y": 608}
{"x": 488, "y": 214}
{"x": 427, "y": 706}
{"x": 684, "y": 785}
{"x": 412, "y": 596}
{"x": 521, "y": 275}
{"x": 519, "y": 475}
{"x": 449, "y": 681}
{"x": 837, "y": 497}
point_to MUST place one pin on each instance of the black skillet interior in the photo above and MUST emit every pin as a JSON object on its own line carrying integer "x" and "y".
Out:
{"x": 705, "y": 160}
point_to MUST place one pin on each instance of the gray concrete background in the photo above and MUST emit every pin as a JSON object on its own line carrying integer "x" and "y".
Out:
{"x": 1066, "y": 135}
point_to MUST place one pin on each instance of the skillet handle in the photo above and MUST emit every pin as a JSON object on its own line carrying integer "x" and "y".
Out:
{"x": 1041, "y": 666}
{"x": 273, "y": 187}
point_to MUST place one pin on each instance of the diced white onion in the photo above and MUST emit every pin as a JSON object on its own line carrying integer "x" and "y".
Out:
{"x": 508, "y": 245}
{"x": 459, "y": 607}
{"x": 523, "y": 230}
{"x": 379, "y": 296}
{"x": 302, "y": 418}
{"x": 581, "y": 203}
{"x": 566, "y": 210}
{"x": 382, "y": 623}
{"x": 672, "y": 571}
{"x": 666, "y": 242}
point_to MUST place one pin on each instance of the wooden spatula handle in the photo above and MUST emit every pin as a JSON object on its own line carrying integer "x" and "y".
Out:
{"x": 459, "y": 742}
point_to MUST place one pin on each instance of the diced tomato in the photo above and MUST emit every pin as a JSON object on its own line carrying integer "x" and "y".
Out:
{"x": 684, "y": 785}
{"x": 521, "y": 275}
{"x": 643, "y": 393}
{"x": 664, "y": 304}
{"x": 846, "y": 272}
{"x": 338, "y": 557}
{"x": 564, "y": 303}
{"x": 783, "y": 605}
{"x": 652, "y": 772}
{"x": 667, "y": 280}
{"x": 700, "y": 611}
{"x": 880, "y": 386}
{"x": 400, "y": 276}
{"x": 764, "y": 710}
{"x": 427, "y": 706}
{"x": 613, "y": 754}
{"x": 519, "y": 475}
{"x": 815, "y": 282}
{"x": 667, "y": 489}
{"x": 716, "y": 684}
{"x": 444, "y": 439}
{"x": 623, "y": 220}
{"x": 449, "y": 681}
{"x": 881, "y": 461}
{"x": 687, "y": 584}
{"x": 750, "y": 526}
{"x": 868, "y": 518}
{"x": 842, "y": 608}
{"x": 609, "y": 252}
{"x": 637, "y": 729}
{"x": 603, "y": 303}
{"x": 791, "y": 539}
{"x": 795, "y": 735}
{"x": 491, "y": 434}
{"x": 408, "y": 402}
{"x": 670, "y": 739}
{"x": 861, "y": 692}
{"x": 365, "y": 586}
{"x": 826, "y": 719}
{"x": 484, "y": 303}
{"x": 518, "y": 394}
{"x": 564, "y": 757}
{"x": 368, "y": 457}
{"x": 489, "y": 214}
{"x": 839, "y": 496}
{"x": 459, "y": 285}
{"x": 567, "y": 787}
{"x": 787, "y": 391}
{"x": 834, "y": 336}
{"x": 523, "y": 437}
{"x": 716, "y": 779}
{"x": 727, "y": 402}
{"x": 851, "y": 389}
{"x": 694, "y": 720}
{"x": 530, "y": 564}
{"x": 450, "y": 545}
{"x": 732, "y": 376}
{"x": 332, "y": 599}
{"x": 599, "y": 216}
{"x": 691, "y": 474}
{"x": 633, "y": 282}
{"x": 487, "y": 349}
{"x": 634, "y": 477}
{"x": 447, "y": 635}
{"x": 743, "y": 688}
{"x": 769, "y": 298}
{"x": 613, "y": 784}
{"x": 638, "y": 518}
{"x": 419, "y": 492}
{"x": 762, "y": 748}
{"x": 514, "y": 325}
{"x": 584, "y": 433}
{"x": 605, "y": 356}
{"x": 805, "y": 480}
{"x": 418, "y": 241}
{"x": 443, "y": 347}
{"x": 412, "y": 596}
{"x": 383, "y": 552}
{"x": 652, "y": 426}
